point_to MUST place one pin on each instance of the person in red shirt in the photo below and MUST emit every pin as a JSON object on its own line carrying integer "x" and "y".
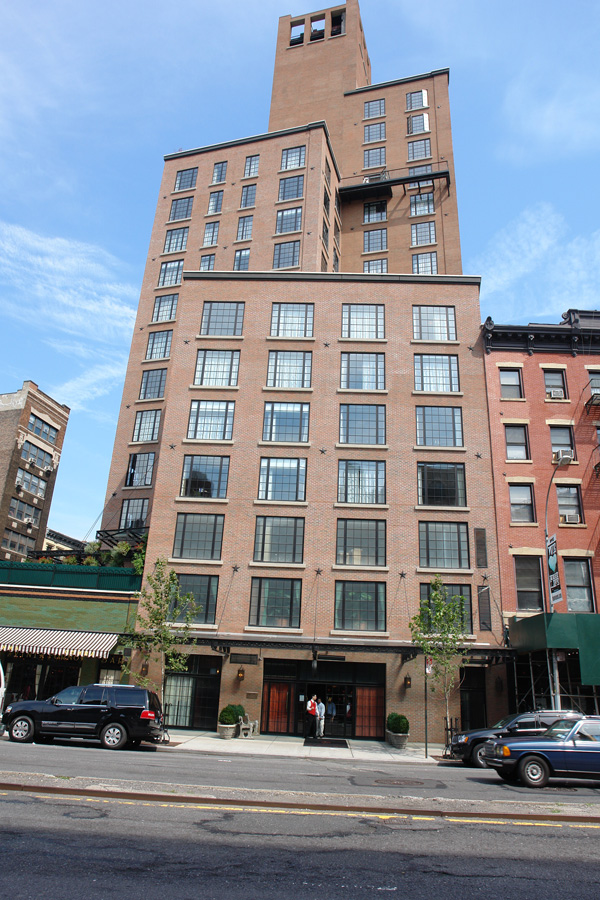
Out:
{"x": 311, "y": 717}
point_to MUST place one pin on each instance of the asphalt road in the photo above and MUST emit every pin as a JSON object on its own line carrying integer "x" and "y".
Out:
{"x": 308, "y": 776}
{"x": 98, "y": 849}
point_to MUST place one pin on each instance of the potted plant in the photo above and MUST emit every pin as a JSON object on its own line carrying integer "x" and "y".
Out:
{"x": 397, "y": 730}
{"x": 227, "y": 726}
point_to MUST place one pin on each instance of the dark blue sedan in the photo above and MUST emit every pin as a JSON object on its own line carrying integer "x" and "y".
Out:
{"x": 566, "y": 750}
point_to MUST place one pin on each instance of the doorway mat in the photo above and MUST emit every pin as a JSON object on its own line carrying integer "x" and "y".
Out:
{"x": 325, "y": 742}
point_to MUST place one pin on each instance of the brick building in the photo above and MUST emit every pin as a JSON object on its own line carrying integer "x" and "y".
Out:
{"x": 32, "y": 431}
{"x": 544, "y": 399}
{"x": 303, "y": 430}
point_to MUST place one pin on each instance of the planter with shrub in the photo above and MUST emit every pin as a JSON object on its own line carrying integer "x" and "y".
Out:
{"x": 397, "y": 730}
{"x": 227, "y": 726}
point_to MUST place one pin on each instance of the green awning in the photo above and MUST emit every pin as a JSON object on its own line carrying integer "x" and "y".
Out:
{"x": 561, "y": 631}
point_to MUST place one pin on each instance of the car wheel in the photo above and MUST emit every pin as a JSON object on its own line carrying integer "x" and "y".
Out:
{"x": 114, "y": 736}
{"x": 21, "y": 729}
{"x": 534, "y": 772}
{"x": 477, "y": 759}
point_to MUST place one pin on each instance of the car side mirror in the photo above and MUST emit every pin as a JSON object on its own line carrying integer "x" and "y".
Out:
{"x": 511, "y": 729}
{"x": 54, "y": 701}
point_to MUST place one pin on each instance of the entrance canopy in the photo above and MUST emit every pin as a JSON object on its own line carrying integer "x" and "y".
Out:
{"x": 94, "y": 644}
{"x": 561, "y": 631}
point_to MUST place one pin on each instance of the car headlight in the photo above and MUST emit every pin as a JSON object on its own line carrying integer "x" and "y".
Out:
{"x": 505, "y": 750}
{"x": 7, "y": 709}
{"x": 462, "y": 738}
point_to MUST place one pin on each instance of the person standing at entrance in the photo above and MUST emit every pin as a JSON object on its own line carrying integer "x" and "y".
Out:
{"x": 320, "y": 718}
{"x": 311, "y": 717}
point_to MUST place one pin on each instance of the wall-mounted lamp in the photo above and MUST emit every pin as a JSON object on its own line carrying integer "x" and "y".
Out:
{"x": 407, "y": 682}
{"x": 241, "y": 674}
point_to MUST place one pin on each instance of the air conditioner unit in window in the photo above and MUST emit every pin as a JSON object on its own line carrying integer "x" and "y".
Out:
{"x": 28, "y": 521}
{"x": 561, "y": 455}
{"x": 32, "y": 459}
{"x": 557, "y": 394}
{"x": 572, "y": 519}
{"x": 48, "y": 470}
{"x": 18, "y": 482}
{"x": 40, "y": 493}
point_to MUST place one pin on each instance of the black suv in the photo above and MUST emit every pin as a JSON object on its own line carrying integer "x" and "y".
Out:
{"x": 469, "y": 745}
{"x": 115, "y": 715}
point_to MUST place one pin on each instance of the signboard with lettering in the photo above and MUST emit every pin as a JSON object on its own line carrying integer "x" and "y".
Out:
{"x": 553, "y": 576}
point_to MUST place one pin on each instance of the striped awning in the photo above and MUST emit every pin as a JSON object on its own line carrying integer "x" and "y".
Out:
{"x": 96, "y": 644}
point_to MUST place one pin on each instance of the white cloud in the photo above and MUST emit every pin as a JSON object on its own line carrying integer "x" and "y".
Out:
{"x": 81, "y": 392}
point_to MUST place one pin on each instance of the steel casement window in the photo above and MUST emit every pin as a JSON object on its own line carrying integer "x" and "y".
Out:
{"x": 362, "y": 424}
{"x": 291, "y": 188}
{"x": 278, "y": 539}
{"x": 422, "y": 204}
{"x": 363, "y": 371}
{"x": 134, "y": 513}
{"x": 176, "y": 240}
{"x": 36, "y": 455}
{"x": 248, "y": 196}
{"x": 211, "y": 234}
{"x": 18, "y": 543}
{"x": 419, "y": 149}
{"x": 441, "y": 484}
{"x": 219, "y": 172}
{"x": 420, "y": 170}
{"x": 422, "y": 233}
{"x": 165, "y": 307}
{"x": 275, "y": 602}
{"x": 528, "y": 577}
{"x": 204, "y": 589}
{"x": 375, "y": 212}
{"x": 363, "y": 321}
{"x": 186, "y": 179}
{"x": 288, "y": 220}
{"x": 222, "y": 319}
{"x": 459, "y": 591}
{"x": 198, "y": 536}
{"x": 140, "y": 469}
{"x": 374, "y": 157}
{"x": 375, "y": 240}
{"x": 207, "y": 262}
{"x": 511, "y": 385}
{"x": 375, "y": 266}
{"x": 251, "y": 166}
{"x": 282, "y": 479}
{"x": 417, "y": 124}
{"x": 204, "y": 476}
{"x": 292, "y": 319}
{"x": 31, "y": 483}
{"x": 570, "y": 510}
{"x": 360, "y": 542}
{"x": 20, "y": 510}
{"x": 241, "y": 260}
{"x": 359, "y": 606}
{"x": 434, "y": 323}
{"x": 578, "y": 585}
{"x": 416, "y": 99}
{"x": 181, "y": 209}
{"x": 293, "y": 157}
{"x": 286, "y": 255}
{"x": 374, "y": 132}
{"x": 217, "y": 368}
{"x": 170, "y": 273}
{"x": 244, "y": 232}
{"x": 289, "y": 369}
{"x": 153, "y": 384}
{"x": 215, "y": 202}
{"x": 521, "y": 503}
{"x": 42, "y": 429}
{"x": 424, "y": 264}
{"x": 211, "y": 420}
{"x": 374, "y": 108}
{"x": 439, "y": 426}
{"x": 517, "y": 444}
{"x": 443, "y": 545}
{"x": 159, "y": 344}
{"x": 436, "y": 372}
{"x": 361, "y": 481}
{"x": 286, "y": 422}
{"x": 325, "y": 234}
{"x": 147, "y": 424}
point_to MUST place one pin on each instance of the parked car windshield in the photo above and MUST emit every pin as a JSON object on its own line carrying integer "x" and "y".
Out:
{"x": 503, "y": 722}
{"x": 69, "y": 695}
{"x": 559, "y": 730}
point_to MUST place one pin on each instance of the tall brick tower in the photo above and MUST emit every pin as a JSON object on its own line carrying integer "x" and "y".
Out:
{"x": 303, "y": 431}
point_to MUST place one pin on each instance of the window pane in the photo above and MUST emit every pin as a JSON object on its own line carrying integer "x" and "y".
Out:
{"x": 198, "y": 536}
{"x": 203, "y": 588}
{"x": 359, "y": 606}
{"x": 211, "y": 420}
{"x": 278, "y": 539}
{"x": 222, "y": 318}
{"x": 217, "y": 367}
{"x": 165, "y": 307}
{"x": 375, "y": 240}
{"x": 248, "y": 196}
{"x": 374, "y": 108}
{"x": 286, "y": 255}
{"x": 363, "y": 321}
{"x": 444, "y": 545}
{"x": 441, "y": 484}
{"x": 186, "y": 179}
{"x": 293, "y": 158}
{"x": 363, "y": 371}
{"x": 181, "y": 209}
{"x": 361, "y": 481}
{"x": 176, "y": 240}
{"x": 529, "y": 582}
{"x": 159, "y": 344}
{"x": 153, "y": 384}
{"x": 251, "y": 167}
{"x": 291, "y": 188}
{"x": 204, "y": 476}
{"x": 292, "y": 319}
{"x": 510, "y": 384}
{"x": 434, "y": 372}
{"x": 286, "y": 422}
{"x": 139, "y": 470}
{"x": 578, "y": 585}
{"x": 360, "y": 542}
{"x": 289, "y": 220}
{"x": 289, "y": 369}
{"x": 275, "y": 602}
{"x": 516, "y": 442}
{"x": 282, "y": 479}
{"x": 521, "y": 503}
{"x": 362, "y": 424}
{"x": 434, "y": 323}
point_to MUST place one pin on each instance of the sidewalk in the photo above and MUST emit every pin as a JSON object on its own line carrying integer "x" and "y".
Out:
{"x": 286, "y": 745}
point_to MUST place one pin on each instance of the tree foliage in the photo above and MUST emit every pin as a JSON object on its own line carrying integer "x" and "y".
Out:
{"x": 438, "y": 630}
{"x": 163, "y": 623}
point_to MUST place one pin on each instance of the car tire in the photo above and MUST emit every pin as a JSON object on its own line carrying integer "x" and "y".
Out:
{"x": 21, "y": 730}
{"x": 113, "y": 736}
{"x": 477, "y": 759}
{"x": 534, "y": 772}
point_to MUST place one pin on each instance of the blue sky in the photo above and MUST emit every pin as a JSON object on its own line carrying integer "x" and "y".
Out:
{"x": 93, "y": 95}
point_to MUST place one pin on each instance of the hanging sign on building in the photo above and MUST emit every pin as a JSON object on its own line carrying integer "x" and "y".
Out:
{"x": 553, "y": 576}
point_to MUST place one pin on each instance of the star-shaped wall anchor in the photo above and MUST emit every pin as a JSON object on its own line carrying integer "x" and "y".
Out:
{"x": 171, "y": 446}
{"x": 128, "y": 406}
{"x": 186, "y": 342}
{"x": 326, "y": 343}
{"x": 402, "y": 574}
{"x": 471, "y": 348}
{"x": 319, "y": 571}
{"x": 323, "y": 450}
{"x": 141, "y": 327}
{"x": 236, "y": 568}
{"x": 479, "y": 455}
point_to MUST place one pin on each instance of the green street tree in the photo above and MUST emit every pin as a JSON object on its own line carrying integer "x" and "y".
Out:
{"x": 439, "y": 631}
{"x": 163, "y": 623}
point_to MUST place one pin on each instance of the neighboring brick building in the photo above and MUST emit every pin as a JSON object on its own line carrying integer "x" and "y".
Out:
{"x": 303, "y": 432}
{"x": 32, "y": 431}
{"x": 544, "y": 400}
